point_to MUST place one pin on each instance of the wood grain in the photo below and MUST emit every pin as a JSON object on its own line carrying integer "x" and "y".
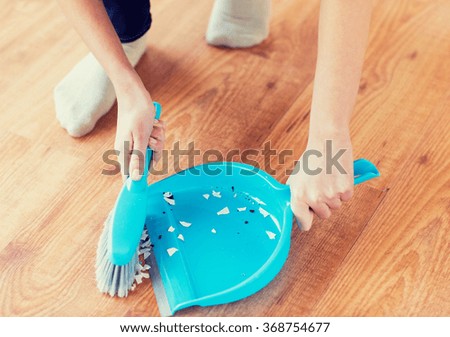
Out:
{"x": 384, "y": 253}
{"x": 402, "y": 255}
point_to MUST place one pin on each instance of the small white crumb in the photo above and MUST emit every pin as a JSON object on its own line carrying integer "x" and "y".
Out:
{"x": 206, "y": 196}
{"x": 185, "y": 224}
{"x": 171, "y": 229}
{"x": 181, "y": 237}
{"x": 234, "y": 195}
{"x": 145, "y": 244}
{"x": 145, "y": 251}
{"x": 144, "y": 235}
{"x": 263, "y": 212}
{"x": 216, "y": 194}
{"x": 171, "y": 251}
{"x": 259, "y": 201}
{"x": 170, "y": 201}
{"x": 213, "y": 231}
{"x": 168, "y": 197}
{"x": 241, "y": 209}
{"x": 271, "y": 235}
{"x": 223, "y": 211}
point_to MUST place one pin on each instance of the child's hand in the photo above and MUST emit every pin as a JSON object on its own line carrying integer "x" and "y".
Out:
{"x": 321, "y": 193}
{"x": 137, "y": 129}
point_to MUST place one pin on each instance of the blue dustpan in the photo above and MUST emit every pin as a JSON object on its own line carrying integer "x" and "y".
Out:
{"x": 220, "y": 232}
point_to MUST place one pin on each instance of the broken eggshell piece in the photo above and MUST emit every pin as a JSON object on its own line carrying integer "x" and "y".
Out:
{"x": 185, "y": 224}
{"x": 168, "y": 197}
{"x": 271, "y": 235}
{"x": 172, "y": 251}
{"x": 223, "y": 211}
{"x": 263, "y": 212}
{"x": 259, "y": 201}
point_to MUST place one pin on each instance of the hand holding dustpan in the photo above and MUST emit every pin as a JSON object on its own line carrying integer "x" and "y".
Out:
{"x": 220, "y": 232}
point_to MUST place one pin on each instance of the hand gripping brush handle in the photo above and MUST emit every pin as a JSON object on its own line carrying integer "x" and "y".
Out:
{"x": 129, "y": 214}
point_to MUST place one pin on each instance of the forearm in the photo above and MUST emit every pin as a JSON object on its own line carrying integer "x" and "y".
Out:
{"x": 91, "y": 21}
{"x": 343, "y": 31}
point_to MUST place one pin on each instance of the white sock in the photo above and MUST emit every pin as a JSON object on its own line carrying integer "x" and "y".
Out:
{"x": 238, "y": 23}
{"x": 86, "y": 93}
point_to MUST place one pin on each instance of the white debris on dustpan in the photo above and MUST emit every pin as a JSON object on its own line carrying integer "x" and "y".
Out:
{"x": 223, "y": 211}
{"x": 170, "y": 201}
{"x": 241, "y": 209}
{"x": 181, "y": 237}
{"x": 171, "y": 229}
{"x": 213, "y": 231}
{"x": 206, "y": 196}
{"x": 263, "y": 212}
{"x": 141, "y": 267}
{"x": 172, "y": 251}
{"x": 144, "y": 235}
{"x": 185, "y": 224}
{"x": 271, "y": 235}
{"x": 259, "y": 201}
{"x": 234, "y": 195}
{"x": 168, "y": 197}
{"x": 144, "y": 245}
{"x": 145, "y": 249}
{"x": 216, "y": 194}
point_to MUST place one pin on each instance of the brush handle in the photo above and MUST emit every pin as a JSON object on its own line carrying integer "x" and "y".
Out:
{"x": 129, "y": 214}
{"x": 149, "y": 154}
{"x": 141, "y": 184}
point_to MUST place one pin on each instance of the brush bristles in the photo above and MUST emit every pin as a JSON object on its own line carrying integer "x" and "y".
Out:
{"x": 111, "y": 279}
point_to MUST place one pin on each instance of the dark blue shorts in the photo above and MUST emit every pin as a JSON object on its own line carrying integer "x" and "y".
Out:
{"x": 131, "y": 18}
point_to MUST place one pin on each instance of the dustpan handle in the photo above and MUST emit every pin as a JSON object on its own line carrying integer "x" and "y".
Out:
{"x": 141, "y": 184}
{"x": 364, "y": 170}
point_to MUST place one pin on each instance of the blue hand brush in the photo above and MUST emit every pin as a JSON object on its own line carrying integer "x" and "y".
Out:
{"x": 117, "y": 253}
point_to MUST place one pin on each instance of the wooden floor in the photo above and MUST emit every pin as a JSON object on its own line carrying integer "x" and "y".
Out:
{"x": 385, "y": 253}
